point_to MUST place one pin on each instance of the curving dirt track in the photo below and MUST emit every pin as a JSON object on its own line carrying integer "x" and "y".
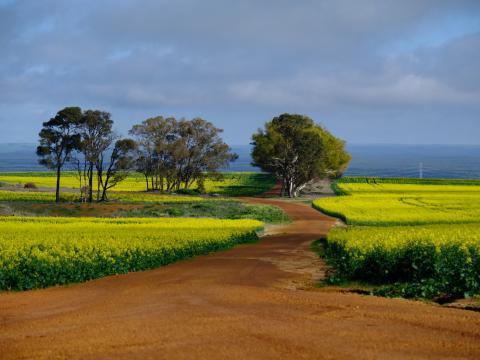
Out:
{"x": 251, "y": 302}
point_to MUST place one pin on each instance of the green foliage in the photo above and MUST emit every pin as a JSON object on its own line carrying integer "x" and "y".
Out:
{"x": 58, "y": 140}
{"x": 214, "y": 209}
{"x": 239, "y": 184}
{"x": 297, "y": 150}
{"x": 175, "y": 153}
{"x": 39, "y": 252}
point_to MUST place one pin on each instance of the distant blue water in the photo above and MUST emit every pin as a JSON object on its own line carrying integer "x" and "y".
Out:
{"x": 436, "y": 161}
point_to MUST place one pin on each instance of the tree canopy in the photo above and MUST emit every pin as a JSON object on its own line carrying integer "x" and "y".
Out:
{"x": 297, "y": 150}
{"x": 175, "y": 153}
{"x": 58, "y": 139}
{"x": 85, "y": 138}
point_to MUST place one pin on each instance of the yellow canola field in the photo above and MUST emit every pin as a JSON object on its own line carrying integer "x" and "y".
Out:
{"x": 38, "y": 252}
{"x": 425, "y": 236}
{"x": 233, "y": 184}
{"x": 113, "y": 196}
{"x": 404, "y": 204}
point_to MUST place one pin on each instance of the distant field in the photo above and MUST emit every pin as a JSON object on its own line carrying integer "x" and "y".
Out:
{"x": 422, "y": 233}
{"x": 38, "y": 252}
{"x": 230, "y": 184}
{"x": 384, "y": 204}
{"x": 394, "y": 180}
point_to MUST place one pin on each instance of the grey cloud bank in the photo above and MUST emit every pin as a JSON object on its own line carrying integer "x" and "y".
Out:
{"x": 372, "y": 71}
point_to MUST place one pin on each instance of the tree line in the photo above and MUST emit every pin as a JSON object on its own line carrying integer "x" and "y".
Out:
{"x": 170, "y": 153}
{"x": 173, "y": 154}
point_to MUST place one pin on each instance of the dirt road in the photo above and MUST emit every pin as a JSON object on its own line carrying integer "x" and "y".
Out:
{"x": 245, "y": 303}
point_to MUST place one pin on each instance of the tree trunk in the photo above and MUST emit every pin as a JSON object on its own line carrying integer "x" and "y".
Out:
{"x": 290, "y": 189}
{"x": 282, "y": 191}
{"x": 57, "y": 189}
{"x": 105, "y": 185}
{"x": 99, "y": 180}
{"x": 90, "y": 183}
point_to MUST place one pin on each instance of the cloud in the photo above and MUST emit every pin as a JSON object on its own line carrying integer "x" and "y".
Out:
{"x": 240, "y": 62}
{"x": 317, "y": 92}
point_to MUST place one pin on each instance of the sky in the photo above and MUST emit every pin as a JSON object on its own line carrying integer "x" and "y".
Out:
{"x": 371, "y": 71}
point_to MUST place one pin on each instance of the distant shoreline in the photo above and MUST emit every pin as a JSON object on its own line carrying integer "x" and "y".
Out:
{"x": 434, "y": 161}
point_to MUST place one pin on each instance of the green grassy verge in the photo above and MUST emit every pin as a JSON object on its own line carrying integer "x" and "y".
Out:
{"x": 211, "y": 209}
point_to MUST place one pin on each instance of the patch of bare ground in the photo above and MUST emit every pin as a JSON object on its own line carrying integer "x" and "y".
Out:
{"x": 251, "y": 302}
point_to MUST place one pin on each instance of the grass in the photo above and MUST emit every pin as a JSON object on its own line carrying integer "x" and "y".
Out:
{"x": 219, "y": 210}
{"x": 208, "y": 208}
{"x": 416, "y": 239}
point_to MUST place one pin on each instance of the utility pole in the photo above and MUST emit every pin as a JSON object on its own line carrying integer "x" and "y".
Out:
{"x": 421, "y": 170}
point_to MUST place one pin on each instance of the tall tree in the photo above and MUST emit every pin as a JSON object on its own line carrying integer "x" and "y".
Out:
{"x": 203, "y": 150}
{"x": 57, "y": 141}
{"x": 155, "y": 137}
{"x": 96, "y": 137}
{"x": 122, "y": 159}
{"x": 297, "y": 151}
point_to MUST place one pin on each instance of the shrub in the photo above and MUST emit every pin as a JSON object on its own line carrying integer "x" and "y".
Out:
{"x": 30, "y": 185}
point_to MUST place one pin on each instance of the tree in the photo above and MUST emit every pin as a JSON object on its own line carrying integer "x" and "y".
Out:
{"x": 174, "y": 152}
{"x": 96, "y": 135}
{"x": 122, "y": 160}
{"x": 155, "y": 137}
{"x": 297, "y": 151}
{"x": 202, "y": 150}
{"x": 57, "y": 141}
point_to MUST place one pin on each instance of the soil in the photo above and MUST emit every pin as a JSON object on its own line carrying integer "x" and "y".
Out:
{"x": 255, "y": 301}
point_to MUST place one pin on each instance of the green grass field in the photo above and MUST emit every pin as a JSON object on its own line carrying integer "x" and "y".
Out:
{"x": 424, "y": 236}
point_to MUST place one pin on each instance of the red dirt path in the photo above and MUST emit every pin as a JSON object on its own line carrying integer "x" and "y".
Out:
{"x": 245, "y": 303}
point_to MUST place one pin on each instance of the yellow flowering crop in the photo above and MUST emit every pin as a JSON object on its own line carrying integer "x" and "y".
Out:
{"x": 39, "y": 251}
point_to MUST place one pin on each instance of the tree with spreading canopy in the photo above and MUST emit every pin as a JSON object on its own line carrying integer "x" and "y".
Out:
{"x": 58, "y": 139}
{"x": 176, "y": 153}
{"x": 297, "y": 151}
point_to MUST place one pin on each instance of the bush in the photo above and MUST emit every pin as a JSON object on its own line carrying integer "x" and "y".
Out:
{"x": 30, "y": 185}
